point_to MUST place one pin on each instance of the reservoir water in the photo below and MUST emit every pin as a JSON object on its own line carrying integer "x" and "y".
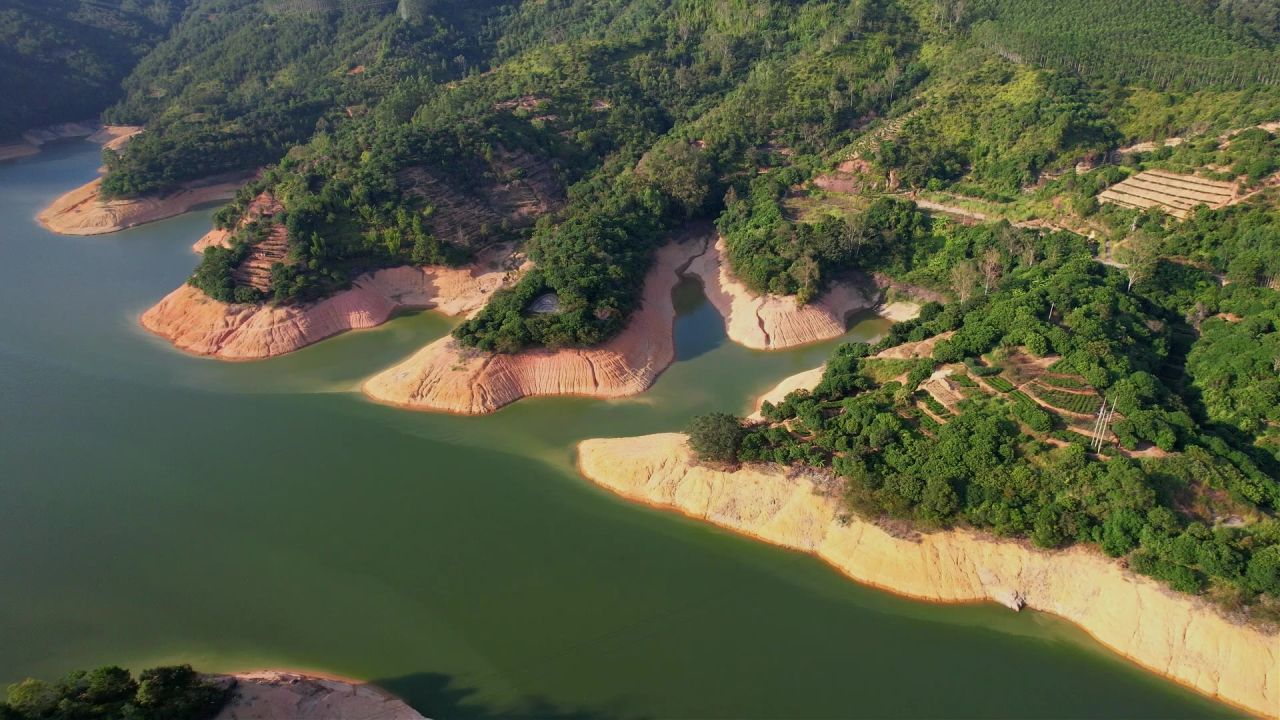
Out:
{"x": 158, "y": 508}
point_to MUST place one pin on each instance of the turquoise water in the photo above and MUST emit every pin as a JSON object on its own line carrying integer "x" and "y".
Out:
{"x": 156, "y": 507}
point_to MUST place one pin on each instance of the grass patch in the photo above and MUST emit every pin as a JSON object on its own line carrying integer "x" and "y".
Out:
{"x": 1064, "y": 381}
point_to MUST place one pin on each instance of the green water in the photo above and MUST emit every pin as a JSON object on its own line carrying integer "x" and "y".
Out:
{"x": 160, "y": 508}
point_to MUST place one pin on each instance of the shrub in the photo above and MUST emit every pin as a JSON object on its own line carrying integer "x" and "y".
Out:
{"x": 716, "y": 437}
{"x": 1035, "y": 417}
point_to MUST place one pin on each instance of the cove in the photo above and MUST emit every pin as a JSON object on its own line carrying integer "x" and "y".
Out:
{"x": 156, "y": 507}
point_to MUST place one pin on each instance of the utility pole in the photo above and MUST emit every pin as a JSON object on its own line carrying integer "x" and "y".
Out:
{"x": 1101, "y": 425}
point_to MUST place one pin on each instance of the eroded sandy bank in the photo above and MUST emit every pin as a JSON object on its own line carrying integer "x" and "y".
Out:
{"x": 214, "y": 238}
{"x": 83, "y": 211}
{"x": 198, "y": 324}
{"x": 809, "y": 379}
{"x": 806, "y": 380}
{"x": 281, "y": 694}
{"x": 1175, "y": 635}
{"x": 771, "y": 322}
{"x": 445, "y": 377}
{"x": 13, "y": 151}
{"x": 112, "y": 136}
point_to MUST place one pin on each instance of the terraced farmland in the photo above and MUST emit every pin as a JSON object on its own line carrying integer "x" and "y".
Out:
{"x": 999, "y": 383}
{"x": 270, "y": 243}
{"x": 1173, "y": 193}
{"x": 1074, "y": 402}
{"x": 255, "y": 270}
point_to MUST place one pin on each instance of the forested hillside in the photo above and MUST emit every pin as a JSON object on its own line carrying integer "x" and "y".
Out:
{"x": 617, "y": 122}
{"x": 63, "y": 60}
{"x": 240, "y": 81}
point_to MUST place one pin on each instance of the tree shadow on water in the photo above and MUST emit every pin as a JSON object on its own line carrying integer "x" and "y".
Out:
{"x": 437, "y": 696}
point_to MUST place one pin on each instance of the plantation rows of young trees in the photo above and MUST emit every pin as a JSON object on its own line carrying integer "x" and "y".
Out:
{"x": 1162, "y": 44}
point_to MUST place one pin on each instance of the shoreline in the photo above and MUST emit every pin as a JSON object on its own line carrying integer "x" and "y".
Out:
{"x": 82, "y": 211}
{"x": 776, "y": 322}
{"x": 306, "y": 695}
{"x": 441, "y": 377}
{"x": 198, "y": 325}
{"x": 951, "y": 567}
{"x": 896, "y": 592}
{"x": 445, "y": 377}
{"x": 32, "y": 141}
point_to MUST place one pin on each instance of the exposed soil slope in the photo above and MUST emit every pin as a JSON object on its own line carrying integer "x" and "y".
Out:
{"x": 514, "y": 190}
{"x": 198, "y": 324}
{"x": 446, "y": 377}
{"x": 770, "y": 322}
{"x": 83, "y": 211}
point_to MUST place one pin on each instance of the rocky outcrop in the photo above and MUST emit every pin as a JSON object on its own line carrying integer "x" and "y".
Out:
{"x": 771, "y": 322}
{"x": 274, "y": 694}
{"x": 447, "y": 377}
{"x": 1176, "y": 635}
{"x": 198, "y": 324}
{"x": 83, "y": 211}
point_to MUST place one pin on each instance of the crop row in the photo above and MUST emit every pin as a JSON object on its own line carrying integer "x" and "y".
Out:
{"x": 999, "y": 383}
{"x": 1023, "y": 399}
{"x": 1072, "y": 402}
{"x": 932, "y": 403}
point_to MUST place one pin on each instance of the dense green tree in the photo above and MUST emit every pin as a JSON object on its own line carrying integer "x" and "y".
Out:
{"x": 111, "y": 693}
{"x": 716, "y": 437}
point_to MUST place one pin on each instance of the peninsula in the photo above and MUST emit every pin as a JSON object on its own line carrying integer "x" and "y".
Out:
{"x": 1175, "y": 635}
